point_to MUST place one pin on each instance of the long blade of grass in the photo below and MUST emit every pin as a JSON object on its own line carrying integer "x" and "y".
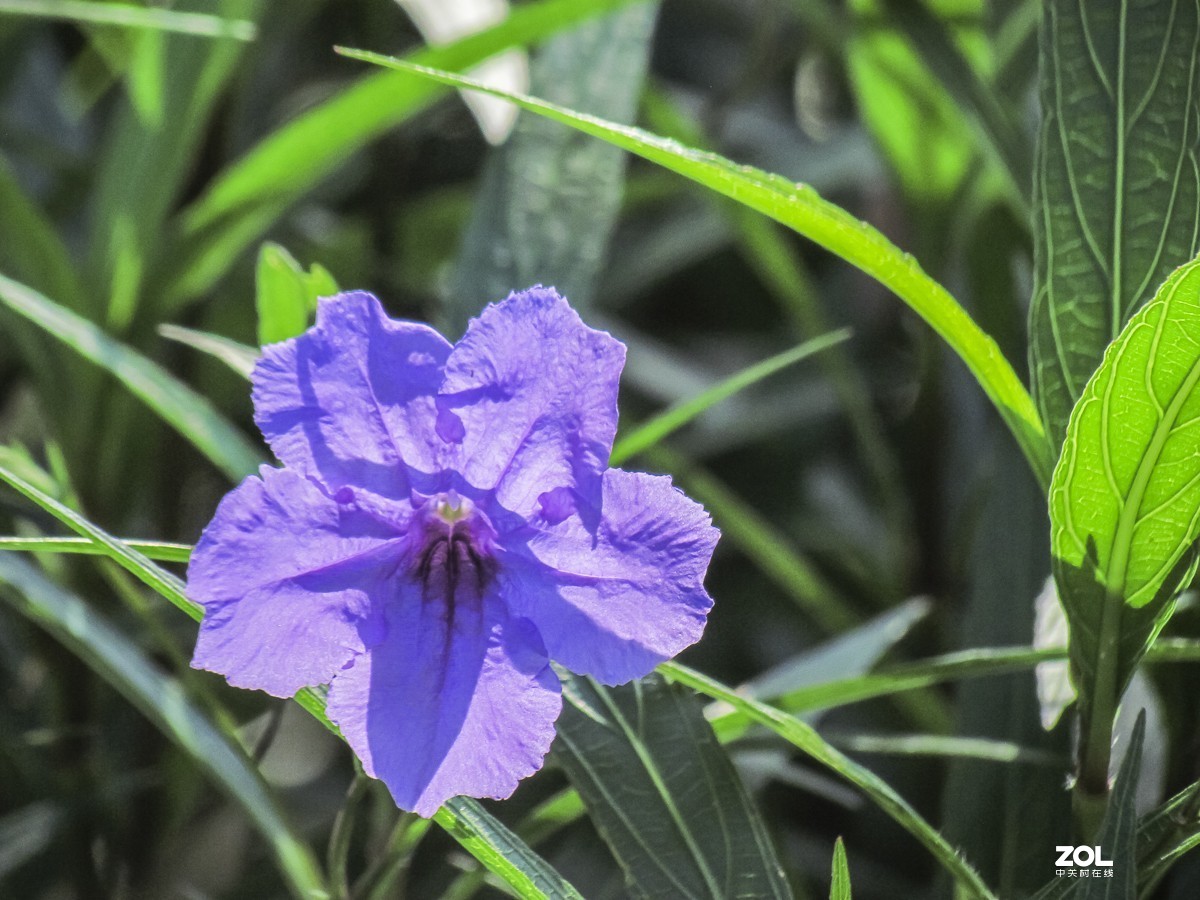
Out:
{"x": 122, "y": 664}
{"x": 246, "y": 199}
{"x": 129, "y": 16}
{"x": 188, "y": 412}
{"x": 237, "y": 356}
{"x": 650, "y": 433}
{"x": 806, "y": 739}
{"x": 468, "y": 822}
{"x": 162, "y": 551}
{"x": 802, "y": 209}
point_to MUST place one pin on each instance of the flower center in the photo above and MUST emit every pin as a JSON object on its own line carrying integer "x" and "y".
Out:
{"x": 454, "y": 558}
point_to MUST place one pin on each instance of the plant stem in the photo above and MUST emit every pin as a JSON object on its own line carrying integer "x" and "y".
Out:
{"x": 1097, "y": 714}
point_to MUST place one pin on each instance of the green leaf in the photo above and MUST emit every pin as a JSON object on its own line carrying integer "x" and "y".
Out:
{"x": 1125, "y": 502}
{"x": 663, "y": 793}
{"x": 286, "y": 295}
{"x": 839, "y": 886}
{"x": 807, "y": 740}
{"x": 546, "y": 197}
{"x": 188, "y": 412}
{"x": 489, "y": 841}
{"x": 1115, "y": 187}
{"x": 129, "y": 16}
{"x": 162, "y": 551}
{"x": 247, "y": 198}
{"x": 1165, "y": 835}
{"x": 30, "y": 247}
{"x": 944, "y": 745}
{"x": 650, "y": 433}
{"x": 120, "y": 662}
{"x": 800, "y": 208}
{"x": 238, "y": 357}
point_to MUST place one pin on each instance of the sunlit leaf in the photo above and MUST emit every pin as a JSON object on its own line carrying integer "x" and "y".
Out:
{"x": 1125, "y": 502}
{"x": 799, "y": 207}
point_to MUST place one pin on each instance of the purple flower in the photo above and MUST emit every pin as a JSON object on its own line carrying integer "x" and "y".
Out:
{"x": 445, "y": 524}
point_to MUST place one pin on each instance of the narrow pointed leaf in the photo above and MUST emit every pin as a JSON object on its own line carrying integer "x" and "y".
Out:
{"x": 181, "y": 407}
{"x": 238, "y": 357}
{"x": 129, "y": 15}
{"x": 650, "y": 433}
{"x": 839, "y": 888}
{"x": 162, "y": 551}
{"x": 800, "y": 207}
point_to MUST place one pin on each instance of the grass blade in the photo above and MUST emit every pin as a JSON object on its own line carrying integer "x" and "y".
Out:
{"x": 129, "y": 16}
{"x": 650, "y": 433}
{"x": 802, "y": 209}
{"x": 806, "y": 739}
{"x": 161, "y": 699}
{"x": 162, "y": 551}
{"x": 238, "y": 357}
{"x": 839, "y": 885}
{"x": 188, "y": 412}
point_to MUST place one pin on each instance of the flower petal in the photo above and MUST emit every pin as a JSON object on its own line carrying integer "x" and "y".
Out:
{"x": 351, "y": 401}
{"x": 535, "y": 391}
{"x": 616, "y": 598}
{"x": 286, "y": 576}
{"x": 457, "y": 699}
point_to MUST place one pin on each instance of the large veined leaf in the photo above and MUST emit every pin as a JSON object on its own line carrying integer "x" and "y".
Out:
{"x": 1115, "y": 188}
{"x": 1125, "y": 498}
{"x": 663, "y": 793}
{"x": 800, "y": 207}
